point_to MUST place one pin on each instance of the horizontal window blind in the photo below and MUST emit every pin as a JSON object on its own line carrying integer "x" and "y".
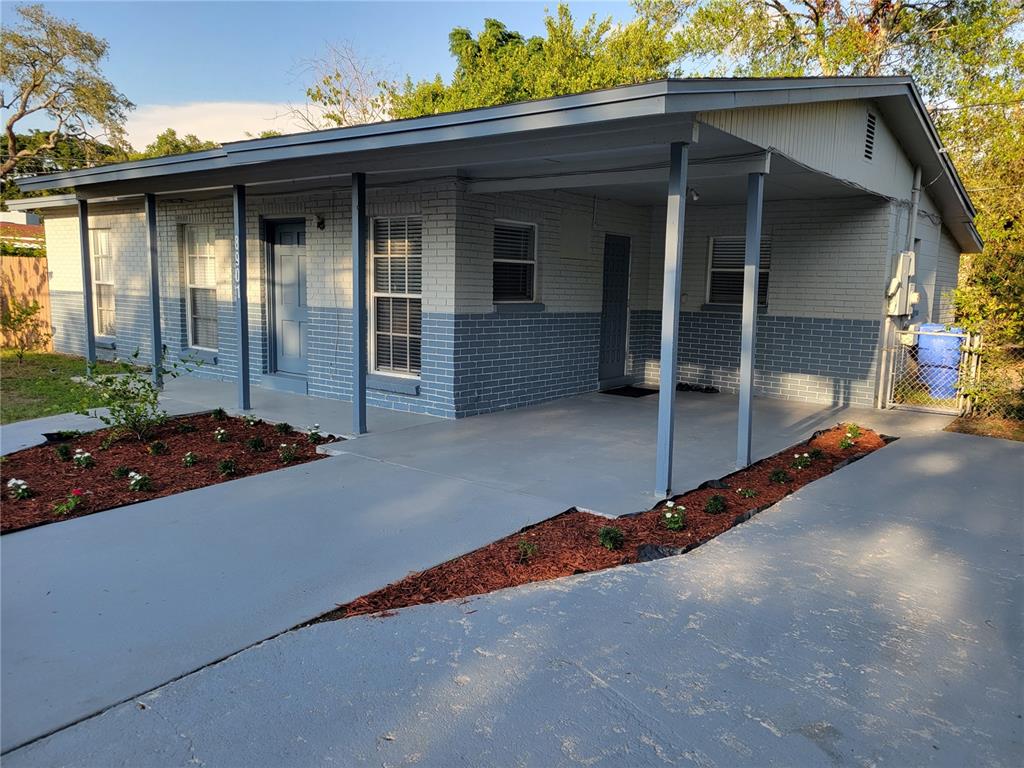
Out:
{"x": 725, "y": 279}
{"x": 515, "y": 255}
{"x": 397, "y": 285}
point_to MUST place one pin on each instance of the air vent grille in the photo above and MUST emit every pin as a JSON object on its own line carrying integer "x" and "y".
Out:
{"x": 869, "y": 136}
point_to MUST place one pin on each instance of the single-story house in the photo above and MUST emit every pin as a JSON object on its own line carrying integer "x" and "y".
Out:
{"x": 757, "y": 235}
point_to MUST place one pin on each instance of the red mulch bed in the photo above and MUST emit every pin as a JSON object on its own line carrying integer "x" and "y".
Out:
{"x": 51, "y": 480}
{"x": 568, "y": 544}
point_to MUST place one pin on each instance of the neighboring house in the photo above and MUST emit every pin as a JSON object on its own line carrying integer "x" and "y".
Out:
{"x": 26, "y": 236}
{"x": 516, "y": 254}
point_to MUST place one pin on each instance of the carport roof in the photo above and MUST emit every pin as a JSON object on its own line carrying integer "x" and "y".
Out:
{"x": 402, "y": 145}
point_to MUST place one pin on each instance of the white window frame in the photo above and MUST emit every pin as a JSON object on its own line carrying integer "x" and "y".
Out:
{"x": 709, "y": 270}
{"x": 375, "y": 294}
{"x": 190, "y": 286}
{"x": 536, "y": 261}
{"x": 94, "y": 253}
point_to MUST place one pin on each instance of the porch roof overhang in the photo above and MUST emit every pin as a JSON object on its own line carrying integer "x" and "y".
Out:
{"x": 607, "y": 130}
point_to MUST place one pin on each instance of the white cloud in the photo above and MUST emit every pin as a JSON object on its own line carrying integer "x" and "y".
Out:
{"x": 218, "y": 121}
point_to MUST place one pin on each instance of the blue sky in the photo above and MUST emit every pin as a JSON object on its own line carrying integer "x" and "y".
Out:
{"x": 219, "y": 69}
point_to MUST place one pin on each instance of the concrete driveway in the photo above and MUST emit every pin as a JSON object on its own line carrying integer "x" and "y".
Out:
{"x": 872, "y": 619}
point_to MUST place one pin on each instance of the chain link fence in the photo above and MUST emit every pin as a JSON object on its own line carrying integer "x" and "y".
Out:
{"x": 955, "y": 372}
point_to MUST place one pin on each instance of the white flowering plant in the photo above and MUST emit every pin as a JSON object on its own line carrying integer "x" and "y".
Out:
{"x": 801, "y": 461}
{"x": 220, "y": 435}
{"x": 139, "y": 482}
{"x": 313, "y": 434}
{"x": 18, "y": 489}
{"x": 251, "y": 421}
{"x": 190, "y": 459}
{"x": 747, "y": 493}
{"x": 288, "y": 452}
{"x": 674, "y": 516}
{"x": 83, "y": 459}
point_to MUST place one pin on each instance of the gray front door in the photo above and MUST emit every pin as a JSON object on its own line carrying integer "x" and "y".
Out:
{"x": 291, "y": 313}
{"x": 614, "y": 308}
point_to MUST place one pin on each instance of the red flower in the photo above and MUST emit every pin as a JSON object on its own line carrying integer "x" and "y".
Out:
{"x": 76, "y": 491}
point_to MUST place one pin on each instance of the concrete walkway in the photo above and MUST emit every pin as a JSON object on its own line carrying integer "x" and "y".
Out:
{"x": 872, "y": 619}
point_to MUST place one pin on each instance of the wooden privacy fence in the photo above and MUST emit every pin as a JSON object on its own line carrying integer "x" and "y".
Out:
{"x": 26, "y": 278}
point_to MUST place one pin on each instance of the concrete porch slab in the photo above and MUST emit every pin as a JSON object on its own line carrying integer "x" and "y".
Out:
{"x": 597, "y": 451}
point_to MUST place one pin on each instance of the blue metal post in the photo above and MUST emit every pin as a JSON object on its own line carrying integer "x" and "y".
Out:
{"x": 154, "y": 289}
{"x": 748, "y": 323}
{"x": 240, "y": 282}
{"x": 83, "y": 243}
{"x": 359, "y": 237}
{"x": 670, "y": 304}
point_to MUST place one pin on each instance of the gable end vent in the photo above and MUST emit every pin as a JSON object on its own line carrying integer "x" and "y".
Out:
{"x": 869, "y": 136}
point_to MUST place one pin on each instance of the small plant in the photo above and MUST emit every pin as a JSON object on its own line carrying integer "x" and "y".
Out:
{"x": 18, "y": 489}
{"x": 675, "y": 516}
{"x": 132, "y": 400}
{"x": 313, "y": 434}
{"x": 190, "y": 459}
{"x": 847, "y": 443}
{"x": 526, "y": 550}
{"x": 139, "y": 482}
{"x": 221, "y": 435}
{"x": 288, "y": 453}
{"x": 852, "y": 430}
{"x": 801, "y": 461}
{"x": 108, "y": 441}
{"x": 227, "y": 467}
{"x": 185, "y": 428}
{"x": 69, "y": 434}
{"x": 255, "y": 444}
{"x": 22, "y": 325}
{"x": 63, "y": 451}
{"x": 747, "y": 493}
{"x": 715, "y": 505}
{"x": 121, "y": 472}
{"x": 780, "y": 476}
{"x": 611, "y": 537}
{"x": 157, "y": 448}
{"x": 218, "y": 414}
{"x": 73, "y": 501}
{"x": 283, "y": 428}
{"x": 817, "y": 454}
{"x": 251, "y": 421}
{"x": 83, "y": 459}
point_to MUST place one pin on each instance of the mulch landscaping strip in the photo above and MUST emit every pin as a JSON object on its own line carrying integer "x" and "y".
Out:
{"x": 568, "y": 543}
{"x": 51, "y": 479}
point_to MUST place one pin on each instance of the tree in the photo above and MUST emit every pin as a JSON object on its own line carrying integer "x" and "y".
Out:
{"x": 22, "y": 327}
{"x": 170, "y": 143}
{"x": 345, "y": 89}
{"x": 52, "y": 67}
{"x": 500, "y": 66}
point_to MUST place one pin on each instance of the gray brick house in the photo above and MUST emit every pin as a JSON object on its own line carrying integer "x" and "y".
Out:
{"x": 517, "y": 254}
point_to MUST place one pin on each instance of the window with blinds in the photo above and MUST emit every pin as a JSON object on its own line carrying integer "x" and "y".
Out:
{"x": 397, "y": 287}
{"x": 104, "y": 313}
{"x": 201, "y": 281}
{"x": 725, "y": 270}
{"x": 515, "y": 261}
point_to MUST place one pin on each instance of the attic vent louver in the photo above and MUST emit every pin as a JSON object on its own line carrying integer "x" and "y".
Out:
{"x": 869, "y": 136}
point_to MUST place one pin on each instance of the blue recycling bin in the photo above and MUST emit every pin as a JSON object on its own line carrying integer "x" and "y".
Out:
{"x": 939, "y": 360}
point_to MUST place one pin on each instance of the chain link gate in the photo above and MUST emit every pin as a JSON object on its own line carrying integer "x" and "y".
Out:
{"x": 932, "y": 370}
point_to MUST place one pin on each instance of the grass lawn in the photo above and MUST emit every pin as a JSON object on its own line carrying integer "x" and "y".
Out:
{"x": 42, "y": 386}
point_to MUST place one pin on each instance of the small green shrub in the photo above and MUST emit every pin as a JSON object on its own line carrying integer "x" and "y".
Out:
{"x": 218, "y": 414}
{"x": 63, "y": 451}
{"x": 132, "y": 401}
{"x": 227, "y": 467}
{"x": 288, "y": 452}
{"x": 18, "y": 489}
{"x": 251, "y": 421}
{"x": 221, "y": 435}
{"x": 185, "y": 428}
{"x": 157, "y": 448}
{"x": 139, "y": 482}
{"x": 313, "y": 434}
{"x": 190, "y": 459}
{"x": 525, "y": 550}
{"x": 817, "y": 454}
{"x": 747, "y": 493}
{"x": 780, "y": 476}
{"x": 73, "y": 501}
{"x": 83, "y": 459}
{"x": 847, "y": 443}
{"x": 801, "y": 461}
{"x": 675, "y": 516}
{"x": 121, "y": 472}
{"x": 283, "y": 428}
{"x": 852, "y": 430}
{"x": 255, "y": 445}
{"x": 715, "y": 505}
{"x": 611, "y": 537}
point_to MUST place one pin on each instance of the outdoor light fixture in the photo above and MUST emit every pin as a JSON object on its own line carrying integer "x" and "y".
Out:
{"x": 692, "y": 194}
{"x": 321, "y": 223}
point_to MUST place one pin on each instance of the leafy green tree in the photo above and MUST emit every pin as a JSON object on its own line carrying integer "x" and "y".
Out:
{"x": 67, "y": 153}
{"x": 170, "y": 143}
{"x": 500, "y": 66}
{"x": 50, "y": 66}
